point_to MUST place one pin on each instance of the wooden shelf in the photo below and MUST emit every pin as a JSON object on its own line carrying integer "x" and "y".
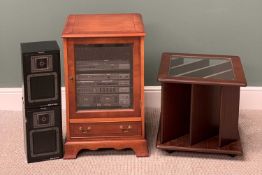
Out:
{"x": 210, "y": 145}
{"x": 204, "y": 117}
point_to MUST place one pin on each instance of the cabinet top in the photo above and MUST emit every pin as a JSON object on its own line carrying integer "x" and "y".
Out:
{"x": 201, "y": 69}
{"x": 103, "y": 25}
{"x": 40, "y": 46}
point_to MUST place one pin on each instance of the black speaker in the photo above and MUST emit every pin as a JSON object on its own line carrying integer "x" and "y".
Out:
{"x": 41, "y": 73}
{"x": 43, "y": 133}
{"x": 42, "y": 100}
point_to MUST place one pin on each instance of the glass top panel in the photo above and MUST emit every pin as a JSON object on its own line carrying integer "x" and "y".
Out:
{"x": 208, "y": 68}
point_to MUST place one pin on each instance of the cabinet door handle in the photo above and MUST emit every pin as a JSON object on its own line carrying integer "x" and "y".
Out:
{"x": 84, "y": 131}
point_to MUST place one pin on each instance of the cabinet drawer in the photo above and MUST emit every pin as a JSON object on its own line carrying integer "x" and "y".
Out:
{"x": 105, "y": 129}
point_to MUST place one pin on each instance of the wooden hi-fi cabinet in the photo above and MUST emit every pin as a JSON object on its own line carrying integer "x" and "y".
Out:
{"x": 104, "y": 79}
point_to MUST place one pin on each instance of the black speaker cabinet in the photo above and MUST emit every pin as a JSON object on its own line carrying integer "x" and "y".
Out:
{"x": 41, "y": 73}
{"x": 43, "y": 131}
{"x": 42, "y": 100}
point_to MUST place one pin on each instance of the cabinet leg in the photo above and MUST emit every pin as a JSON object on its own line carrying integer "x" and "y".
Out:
{"x": 169, "y": 151}
{"x": 141, "y": 149}
{"x": 70, "y": 151}
{"x": 232, "y": 155}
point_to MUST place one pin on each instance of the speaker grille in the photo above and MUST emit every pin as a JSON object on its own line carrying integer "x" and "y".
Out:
{"x": 44, "y": 142}
{"x": 42, "y": 87}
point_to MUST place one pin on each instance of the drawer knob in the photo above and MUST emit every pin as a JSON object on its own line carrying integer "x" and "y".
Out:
{"x": 125, "y": 129}
{"x": 84, "y": 131}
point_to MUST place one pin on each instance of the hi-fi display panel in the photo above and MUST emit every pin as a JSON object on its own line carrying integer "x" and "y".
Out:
{"x": 104, "y": 76}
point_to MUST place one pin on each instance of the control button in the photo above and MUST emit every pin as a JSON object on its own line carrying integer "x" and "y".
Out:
{"x": 43, "y": 119}
{"x": 41, "y": 63}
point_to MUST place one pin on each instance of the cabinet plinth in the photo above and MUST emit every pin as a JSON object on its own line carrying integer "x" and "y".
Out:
{"x": 200, "y": 103}
{"x": 104, "y": 79}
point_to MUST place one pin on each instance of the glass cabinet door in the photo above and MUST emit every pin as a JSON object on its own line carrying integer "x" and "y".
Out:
{"x": 103, "y": 76}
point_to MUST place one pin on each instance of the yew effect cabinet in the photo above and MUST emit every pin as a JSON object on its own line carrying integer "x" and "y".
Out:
{"x": 200, "y": 103}
{"x": 104, "y": 79}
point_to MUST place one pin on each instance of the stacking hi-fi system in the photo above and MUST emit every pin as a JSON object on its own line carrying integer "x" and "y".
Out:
{"x": 42, "y": 100}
